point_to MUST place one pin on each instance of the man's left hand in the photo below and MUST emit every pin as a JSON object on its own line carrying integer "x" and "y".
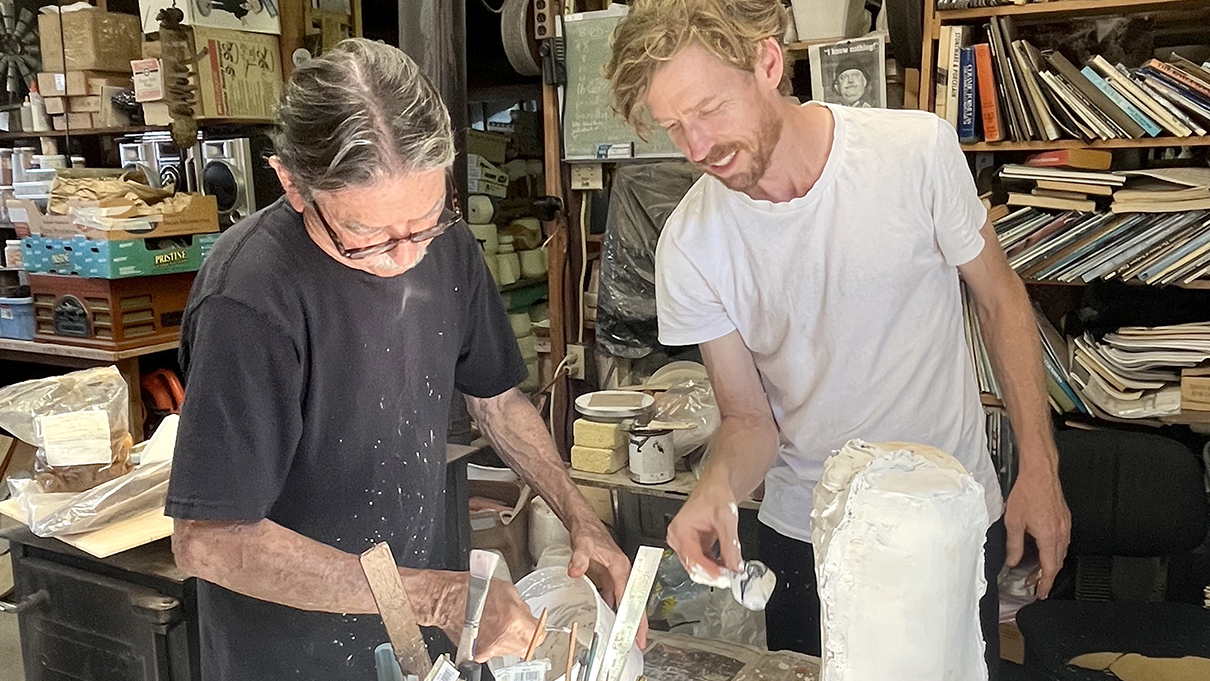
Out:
{"x": 1036, "y": 506}
{"x": 595, "y": 554}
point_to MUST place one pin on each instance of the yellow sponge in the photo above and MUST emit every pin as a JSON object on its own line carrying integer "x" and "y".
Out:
{"x": 599, "y": 435}
{"x": 597, "y": 460}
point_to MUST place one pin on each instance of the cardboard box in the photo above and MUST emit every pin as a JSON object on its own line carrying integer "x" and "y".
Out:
{"x": 55, "y": 105}
{"x": 58, "y": 122}
{"x": 84, "y": 104}
{"x": 79, "y": 121}
{"x": 256, "y": 18}
{"x": 489, "y": 145}
{"x": 148, "y": 80}
{"x": 1195, "y": 389}
{"x": 1012, "y": 643}
{"x": 107, "y": 221}
{"x": 111, "y": 115}
{"x": 156, "y": 113}
{"x": 500, "y": 520}
{"x": 90, "y": 40}
{"x": 115, "y": 259}
{"x": 486, "y": 187}
{"x": 79, "y": 83}
{"x": 240, "y": 76}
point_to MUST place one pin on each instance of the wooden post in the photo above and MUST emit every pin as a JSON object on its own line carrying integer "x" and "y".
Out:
{"x": 557, "y": 275}
{"x": 293, "y": 30}
{"x": 928, "y": 54}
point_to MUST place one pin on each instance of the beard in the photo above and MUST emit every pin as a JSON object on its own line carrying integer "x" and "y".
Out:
{"x": 760, "y": 150}
{"x": 384, "y": 265}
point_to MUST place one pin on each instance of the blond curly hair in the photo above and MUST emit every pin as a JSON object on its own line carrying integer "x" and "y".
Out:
{"x": 655, "y": 31}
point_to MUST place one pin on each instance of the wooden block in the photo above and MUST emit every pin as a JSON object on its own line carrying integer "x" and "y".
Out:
{"x": 52, "y": 84}
{"x": 156, "y": 113}
{"x": 59, "y": 122}
{"x": 55, "y": 105}
{"x": 84, "y": 104}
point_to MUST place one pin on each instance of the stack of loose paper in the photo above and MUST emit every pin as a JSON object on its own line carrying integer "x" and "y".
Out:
{"x": 1136, "y": 371}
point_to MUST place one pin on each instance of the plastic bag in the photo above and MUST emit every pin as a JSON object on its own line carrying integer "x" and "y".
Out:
{"x": 80, "y": 424}
{"x": 727, "y": 620}
{"x": 56, "y": 515}
{"x": 675, "y": 598}
{"x": 641, "y": 199}
{"x": 689, "y": 402}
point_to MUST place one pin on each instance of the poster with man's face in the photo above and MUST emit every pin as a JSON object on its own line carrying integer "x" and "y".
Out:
{"x": 850, "y": 72}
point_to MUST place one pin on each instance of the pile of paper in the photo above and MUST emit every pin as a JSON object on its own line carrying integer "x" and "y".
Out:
{"x": 1136, "y": 371}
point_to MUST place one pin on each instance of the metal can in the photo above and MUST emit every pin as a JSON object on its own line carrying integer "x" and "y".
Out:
{"x": 652, "y": 457}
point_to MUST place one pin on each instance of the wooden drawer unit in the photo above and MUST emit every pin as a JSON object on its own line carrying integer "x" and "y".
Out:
{"x": 111, "y": 314}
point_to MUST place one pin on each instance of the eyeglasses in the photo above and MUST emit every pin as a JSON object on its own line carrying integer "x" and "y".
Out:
{"x": 449, "y": 218}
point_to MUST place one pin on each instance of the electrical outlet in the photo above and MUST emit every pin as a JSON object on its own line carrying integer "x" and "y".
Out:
{"x": 575, "y": 362}
{"x": 587, "y": 176}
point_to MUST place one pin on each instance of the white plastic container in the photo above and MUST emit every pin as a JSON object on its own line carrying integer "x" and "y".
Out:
{"x": 568, "y": 600}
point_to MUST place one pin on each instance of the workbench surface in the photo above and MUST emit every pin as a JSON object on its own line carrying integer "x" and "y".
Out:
{"x": 674, "y": 657}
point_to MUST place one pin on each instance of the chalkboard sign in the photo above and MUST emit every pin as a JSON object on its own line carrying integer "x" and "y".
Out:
{"x": 591, "y": 129}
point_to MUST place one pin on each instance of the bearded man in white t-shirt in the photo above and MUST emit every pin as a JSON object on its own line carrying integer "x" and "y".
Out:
{"x": 817, "y": 266}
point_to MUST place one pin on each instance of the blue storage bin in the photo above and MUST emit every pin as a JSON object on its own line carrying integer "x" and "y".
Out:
{"x": 17, "y": 318}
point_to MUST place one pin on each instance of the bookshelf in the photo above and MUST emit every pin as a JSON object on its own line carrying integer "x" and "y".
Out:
{"x": 1062, "y": 9}
{"x": 1038, "y": 145}
{"x": 1200, "y": 284}
{"x": 1041, "y": 12}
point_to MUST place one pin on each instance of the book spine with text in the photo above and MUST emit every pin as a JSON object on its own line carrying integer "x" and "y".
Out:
{"x": 1149, "y": 126}
{"x": 985, "y": 78}
{"x": 967, "y": 127}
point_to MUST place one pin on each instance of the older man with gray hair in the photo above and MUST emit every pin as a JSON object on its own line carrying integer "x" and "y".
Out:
{"x": 322, "y": 343}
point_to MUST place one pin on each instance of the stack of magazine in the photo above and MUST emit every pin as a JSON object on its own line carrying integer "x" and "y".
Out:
{"x": 1135, "y": 372}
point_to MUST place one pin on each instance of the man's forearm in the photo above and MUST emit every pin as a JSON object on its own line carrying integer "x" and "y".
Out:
{"x": 269, "y": 562}
{"x": 518, "y": 433}
{"x": 1015, "y": 349}
{"x": 744, "y": 449}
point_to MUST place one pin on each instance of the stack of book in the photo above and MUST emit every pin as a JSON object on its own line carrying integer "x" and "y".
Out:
{"x": 943, "y": 5}
{"x": 1147, "y": 226}
{"x": 1003, "y": 88}
{"x": 1135, "y": 372}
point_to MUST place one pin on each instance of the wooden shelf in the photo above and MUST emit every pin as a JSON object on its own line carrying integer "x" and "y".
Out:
{"x": 990, "y": 400}
{"x": 1200, "y": 284}
{"x": 798, "y": 50}
{"x": 12, "y": 348}
{"x": 523, "y": 283}
{"x": 1059, "y": 9}
{"x": 1039, "y": 145}
{"x": 114, "y": 132}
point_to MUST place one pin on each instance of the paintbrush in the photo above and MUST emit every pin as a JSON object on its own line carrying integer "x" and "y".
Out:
{"x": 592, "y": 655}
{"x": 533, "y": 641}
{"x": 483, "y": 564}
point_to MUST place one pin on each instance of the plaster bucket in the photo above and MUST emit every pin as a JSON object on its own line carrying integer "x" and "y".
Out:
{"x": 569, "y": 600}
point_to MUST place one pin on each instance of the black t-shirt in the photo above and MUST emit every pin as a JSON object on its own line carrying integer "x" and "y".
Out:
{"x": 318, "y": 397}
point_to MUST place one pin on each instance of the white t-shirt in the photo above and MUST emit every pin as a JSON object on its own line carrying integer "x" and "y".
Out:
{"x": 848, "y": 298}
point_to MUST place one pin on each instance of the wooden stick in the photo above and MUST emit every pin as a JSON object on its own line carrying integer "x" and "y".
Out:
{"x": 396, "y": 610}
{"x": 533, "y": 642}
{"x": 571, "y": 650}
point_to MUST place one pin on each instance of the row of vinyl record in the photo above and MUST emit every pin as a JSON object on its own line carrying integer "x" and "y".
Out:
{"x": 1003, "y": 88}
{"x": 1063, "y": 396}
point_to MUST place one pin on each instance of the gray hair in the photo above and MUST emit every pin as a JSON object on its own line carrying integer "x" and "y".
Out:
{"x": 361, "y": 111}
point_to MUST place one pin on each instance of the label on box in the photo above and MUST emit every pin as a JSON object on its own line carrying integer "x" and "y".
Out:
{"x": 18, "y": 215}
{"x": 6, "y": 312}
{"x": 77, "y": 438}
{"x": 148, "y": 80}
{"x": 60, "y": 82}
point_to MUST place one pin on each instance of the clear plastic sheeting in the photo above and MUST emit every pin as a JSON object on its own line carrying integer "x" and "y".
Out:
{"x": 78, "y": 421}
{"x": 689, "y": 402}
{"x": 642, "y": 197}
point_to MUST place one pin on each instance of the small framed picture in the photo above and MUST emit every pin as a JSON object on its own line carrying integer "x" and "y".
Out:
{"x": 850, "y": 72}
